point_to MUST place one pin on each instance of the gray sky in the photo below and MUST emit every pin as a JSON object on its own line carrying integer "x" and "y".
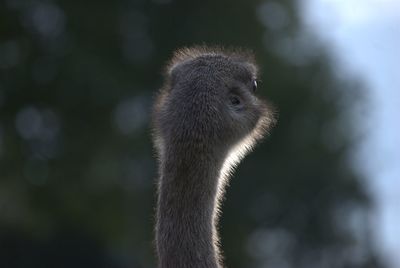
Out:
{"x": 364, "y": 35}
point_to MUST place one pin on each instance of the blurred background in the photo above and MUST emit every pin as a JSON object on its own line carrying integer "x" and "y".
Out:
{"x": 77, "y": 168}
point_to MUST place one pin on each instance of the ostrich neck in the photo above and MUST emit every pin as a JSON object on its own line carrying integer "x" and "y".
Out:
{"x": 186, "y": 215}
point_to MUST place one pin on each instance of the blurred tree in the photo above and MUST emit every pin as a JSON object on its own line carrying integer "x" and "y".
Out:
{"x": 77, "y": 169}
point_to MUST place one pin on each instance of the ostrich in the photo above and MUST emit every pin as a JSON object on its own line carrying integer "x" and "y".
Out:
{"x": 206, "y": 118}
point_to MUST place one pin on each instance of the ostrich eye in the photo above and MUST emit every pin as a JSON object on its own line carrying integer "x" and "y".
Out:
{"x": 254, "y": 85}
{"x": 235, "y": 101}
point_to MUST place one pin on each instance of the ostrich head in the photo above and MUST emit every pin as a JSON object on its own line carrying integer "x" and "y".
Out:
{"x": 209, "y": 103}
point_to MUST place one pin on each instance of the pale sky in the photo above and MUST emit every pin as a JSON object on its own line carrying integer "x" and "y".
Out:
{"x": 364, "y": 35}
